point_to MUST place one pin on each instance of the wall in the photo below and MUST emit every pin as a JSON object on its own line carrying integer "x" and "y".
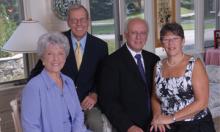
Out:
{"x": 41, "y": 10}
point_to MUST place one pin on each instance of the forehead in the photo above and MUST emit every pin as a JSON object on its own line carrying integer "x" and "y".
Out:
{"x": 80, "y": 12}
{"x": 137, "y": 25}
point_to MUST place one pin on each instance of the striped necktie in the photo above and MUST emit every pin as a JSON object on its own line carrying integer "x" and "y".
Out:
{"x": 140, "y": 66}
{"x": 78, "y": 55}
{"x": 142, "y": 72}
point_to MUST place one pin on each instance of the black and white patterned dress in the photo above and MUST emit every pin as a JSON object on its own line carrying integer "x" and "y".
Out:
{"x": 175, "y": 93}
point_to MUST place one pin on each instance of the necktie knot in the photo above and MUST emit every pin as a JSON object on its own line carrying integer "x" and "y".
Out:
{"x": 78, "y": 44}
{"x": 138, "y": 56}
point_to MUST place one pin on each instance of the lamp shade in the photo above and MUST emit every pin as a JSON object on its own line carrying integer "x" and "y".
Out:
{"x": 25, "y": 37}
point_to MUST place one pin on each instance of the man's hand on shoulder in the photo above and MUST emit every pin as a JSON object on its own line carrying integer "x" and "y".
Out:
{"x": 89, "y": 101}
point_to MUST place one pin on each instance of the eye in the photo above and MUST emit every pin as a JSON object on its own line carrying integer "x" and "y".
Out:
{"x": 61, "y": 53}
{"x": 49, "y": 53}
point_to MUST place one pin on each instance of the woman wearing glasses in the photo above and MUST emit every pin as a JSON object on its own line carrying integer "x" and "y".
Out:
{"x": 181, "y": 91}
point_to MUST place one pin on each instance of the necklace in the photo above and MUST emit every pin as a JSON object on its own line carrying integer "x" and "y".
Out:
{"x": 175, "y": 64}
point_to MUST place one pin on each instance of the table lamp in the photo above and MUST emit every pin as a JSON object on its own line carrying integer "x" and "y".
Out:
{"x": 25, "y": 37}
{"x": 24, "y": 40}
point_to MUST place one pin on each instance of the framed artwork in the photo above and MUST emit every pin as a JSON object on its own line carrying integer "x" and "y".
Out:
{"x": 216, "y": 38}
{"x": 164, "y": 13}
{"x": 60, "y": 7}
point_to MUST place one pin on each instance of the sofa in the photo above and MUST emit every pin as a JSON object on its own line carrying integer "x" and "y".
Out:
{"x": 213, "y": 72}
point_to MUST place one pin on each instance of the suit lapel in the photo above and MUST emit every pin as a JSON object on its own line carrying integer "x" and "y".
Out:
{"x": 71, "y": 60}
{"x": 131, "y": 64}
{"x": 147, "y": 65}
{"x": 87, "y": 54}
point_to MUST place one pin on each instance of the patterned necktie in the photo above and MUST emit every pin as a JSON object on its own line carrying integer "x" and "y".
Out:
{"x": 141, "y": 70}
{"x": 78, "y": 55}
{"x": 140, "y": 66}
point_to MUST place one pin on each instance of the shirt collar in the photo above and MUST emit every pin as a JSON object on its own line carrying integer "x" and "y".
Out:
{"x": 82, "y": 40}
{"x": 49, "y": 81}
{"x": 133, "y": 53}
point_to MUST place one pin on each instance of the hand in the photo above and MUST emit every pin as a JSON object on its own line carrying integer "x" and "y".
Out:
{"x": 135, "y": 129}
{"x": 89, "y": 101}
{"x": 164, "y": 119}
{"x": 156, "y": 124}
{"x": 159, "y": 127}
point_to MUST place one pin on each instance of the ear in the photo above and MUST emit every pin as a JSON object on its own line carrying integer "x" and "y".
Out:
{"x": 68, "y": 21}
{"x": 126, "y": 35}
{"x": 89, "y": 22}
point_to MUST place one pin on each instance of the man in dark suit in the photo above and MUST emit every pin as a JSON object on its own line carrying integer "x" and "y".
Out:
{"x": 126, "y": 81}
{"x": 84, "y": 74}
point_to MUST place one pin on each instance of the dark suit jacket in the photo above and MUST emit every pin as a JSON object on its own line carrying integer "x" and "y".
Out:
{"x": 85, "y": 79}
{"x": 123, "y": 94}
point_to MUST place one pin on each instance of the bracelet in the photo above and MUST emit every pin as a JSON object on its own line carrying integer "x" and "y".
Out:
{"x": 174, "y": 118}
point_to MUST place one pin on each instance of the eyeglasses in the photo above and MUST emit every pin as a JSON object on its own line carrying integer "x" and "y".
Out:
{"x": 141, "y": 34}
{"x": 81, "y": 20}
{"x": 172, "y": 39}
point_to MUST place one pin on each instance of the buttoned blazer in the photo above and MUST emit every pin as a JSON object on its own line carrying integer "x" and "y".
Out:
{"x": 123, "y": 94}
{"x": 85, "y": 78}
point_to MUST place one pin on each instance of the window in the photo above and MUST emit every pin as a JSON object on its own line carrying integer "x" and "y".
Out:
{"x": 187, "y": 15}
{"x": 103, "y": 21}
{"x": 209, "y": 22}
{"x": 134, "y": 8}
{"x": 11, "y": 64}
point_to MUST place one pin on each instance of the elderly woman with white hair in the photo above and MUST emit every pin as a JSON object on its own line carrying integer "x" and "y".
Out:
{"x": 49, "y": 100}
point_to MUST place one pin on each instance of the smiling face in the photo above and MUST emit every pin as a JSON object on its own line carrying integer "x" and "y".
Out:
{"x": 78, "y": 21}
{"x": 136, "y": 34}
{"x": 172, "y": 44}
{"x": 54, "y": 58}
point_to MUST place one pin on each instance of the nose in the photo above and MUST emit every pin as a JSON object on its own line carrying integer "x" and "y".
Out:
{"x": 55, "y": 57}
{"x": 78, "y": 22}
{"x": 138, "y": 35}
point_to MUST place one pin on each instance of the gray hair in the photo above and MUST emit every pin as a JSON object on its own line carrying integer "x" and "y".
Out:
{"x": 77, "y": 7}
{"x": 54, "y": 38}
{"x": 132, "y": 19}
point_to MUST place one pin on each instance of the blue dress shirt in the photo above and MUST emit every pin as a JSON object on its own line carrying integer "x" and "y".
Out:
{"x": 82, "y": 42}
{"x": 47, "y": 108}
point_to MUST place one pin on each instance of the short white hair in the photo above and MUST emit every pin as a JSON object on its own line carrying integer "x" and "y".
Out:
{"x": 54, "y": 38}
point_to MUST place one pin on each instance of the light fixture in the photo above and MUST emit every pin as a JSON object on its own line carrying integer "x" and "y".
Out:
{"x": 25, "y": 37}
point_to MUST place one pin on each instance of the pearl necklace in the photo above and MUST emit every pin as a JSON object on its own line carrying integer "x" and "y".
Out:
{"x": 175, "y": 64}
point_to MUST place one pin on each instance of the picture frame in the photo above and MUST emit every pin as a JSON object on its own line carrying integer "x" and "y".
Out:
{"x": 216, "y": 38}
{"x": 60, "y": 7}
{"x": 165, "y": 12}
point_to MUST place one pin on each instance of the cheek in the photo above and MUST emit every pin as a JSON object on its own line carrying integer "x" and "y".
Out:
{"x": 63, "y": 59}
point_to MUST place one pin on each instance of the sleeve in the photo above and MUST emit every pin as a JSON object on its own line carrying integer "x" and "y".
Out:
{"x": 109, "y": 97}
{"x": 78, "y": 121}
{"x": 30, "y": 108}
